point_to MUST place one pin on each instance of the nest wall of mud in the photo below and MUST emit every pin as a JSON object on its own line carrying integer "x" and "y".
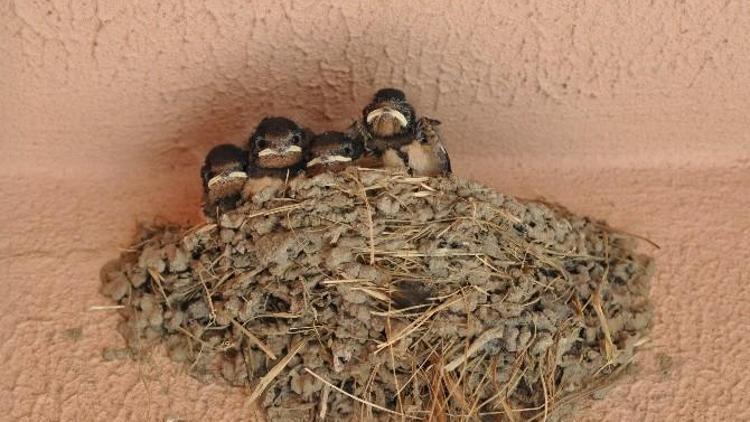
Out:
{"x": 372, "y": 295}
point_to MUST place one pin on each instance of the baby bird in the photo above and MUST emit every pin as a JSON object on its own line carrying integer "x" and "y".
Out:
{"x": 389, "y": 114}
{"x": 278, "y": 151}
{"x": 426, "y": 155}
{"x": 332, "y": 152}
{"x": 389, "y": 122}
{"x": 223, "y": 175}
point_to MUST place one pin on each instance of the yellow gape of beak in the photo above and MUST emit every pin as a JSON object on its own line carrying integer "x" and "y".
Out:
{"x": 387, "y": 111}
{"x": 330, "y": 159}
{"x": 271, "y": 151}
{"x": 231, "y": 176}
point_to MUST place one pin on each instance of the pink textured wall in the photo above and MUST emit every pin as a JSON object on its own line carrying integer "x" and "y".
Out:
{"x": 636, "y": 112}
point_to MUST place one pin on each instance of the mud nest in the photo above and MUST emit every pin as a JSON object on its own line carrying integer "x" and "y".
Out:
{"x": 370, "y": 295}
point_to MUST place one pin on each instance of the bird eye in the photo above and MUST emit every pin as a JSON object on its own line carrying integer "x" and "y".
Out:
{"x": 261, "y": 143}
{"x": 347, "y": 150}
{"x": 296, "y": 139}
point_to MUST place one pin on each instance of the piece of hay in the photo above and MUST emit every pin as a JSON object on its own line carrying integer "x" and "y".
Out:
{"x": 446, "y": 301}
{"x": 268, "y": 378}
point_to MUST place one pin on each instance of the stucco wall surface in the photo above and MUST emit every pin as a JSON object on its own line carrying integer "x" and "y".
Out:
{"x": 636, "y": 112}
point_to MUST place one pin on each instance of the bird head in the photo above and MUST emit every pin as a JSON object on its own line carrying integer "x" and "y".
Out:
{"x": 225, "y": 164}
{"x": 278, "y": 143}
{"x": 333, "y": 151}
{"x": 388, "y": 114}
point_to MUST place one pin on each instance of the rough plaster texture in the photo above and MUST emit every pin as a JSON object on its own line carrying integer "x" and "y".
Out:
{"x": 636, "y": 112}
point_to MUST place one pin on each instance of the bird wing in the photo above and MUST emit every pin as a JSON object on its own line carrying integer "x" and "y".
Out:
{"x": 445, "y": 160}
{"x": 428, "y": 128}
{"x": 357, "y": 131}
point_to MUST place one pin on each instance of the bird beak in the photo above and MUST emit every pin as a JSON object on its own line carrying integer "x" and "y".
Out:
{"x": 387, "y": 111}
{"x": 237, "y": 175}
{"x": 233, "y": 175}
{"x": 338, "y": 158}
{"x": 330, "y": 159}
{"x": 266, "y": 152}
{"x": 271, "y": 151}
{"x": 314, "y": 162}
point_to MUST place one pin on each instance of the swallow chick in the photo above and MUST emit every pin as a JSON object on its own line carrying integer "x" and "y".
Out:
{"x": 278, "y": 151}
{"x": 333, "y": 152}
{"x": 389, "y": 121}
{"x": 223, "y": 175}
{"x": 388, "y": 114}
{"x": 426, "y": 155}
